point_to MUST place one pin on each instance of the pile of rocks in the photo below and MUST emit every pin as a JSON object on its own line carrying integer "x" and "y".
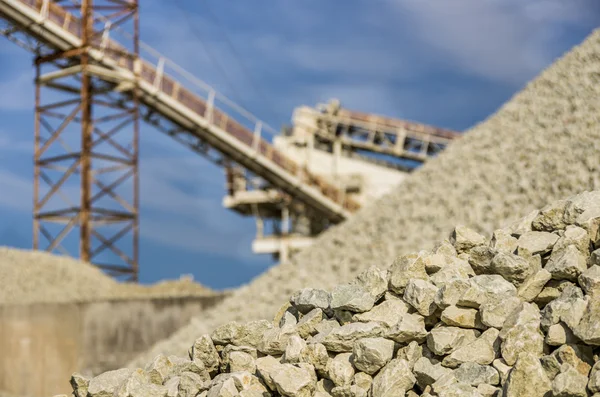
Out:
{"x": 28, "y": 277}
{"x": 517, "y": 315}
{"x": 541, "y": 146}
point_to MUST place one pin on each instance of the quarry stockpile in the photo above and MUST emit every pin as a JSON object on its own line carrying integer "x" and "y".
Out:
{"x": 516, "y": 315}
{"x": 542, "y": 145}
{"x": 36, "y": 277}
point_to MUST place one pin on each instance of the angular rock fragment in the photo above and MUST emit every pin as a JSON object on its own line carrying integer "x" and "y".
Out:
{"x": 550, "y": 217}
{"x": 574, "y": 235}
{"x": 559, "y": 334}
{"x": 488, "y": 390}
{"x": 476, "y": 374}
{"x": 411, "y": 353}
{"x": 274, "y": 341}
{"x": 527, "y": 378}
{"x": 533, "y": 285}
{"x": 483, "y": 350}
{"x": 308, "y": 299}
{"x": 106, "y": 384}
{"x": 502, "y": 240}
{"x": 375, "y": 281}
{"x": 351, "y": 297}
{"x": 463, "y": 239}
{"x": 589, "y": 280}
{"x": 405, "y": 268}
{"x": 362, "y": 380}
{"x": 580, "y": 357}
{"x": 248, "y": 334}
{"x": 394, "y": 379}
{"x": 566, "y": 264}
{"x": 427, "y": 371}
{"x": 521, "y": 333}
{"x": 79, "y": 384}
{"x": 594, "y": 380}
{"x": 369, "y": 355}
{"x": 569, "y": 308}
{"x": 204, "y": 351}
{"x": 512, "y": 267}
{"x": 454, "y": 268}
{"x": 537, "y": 242}
{"x": 569, "y": 383}
{"x": 137, "y": 385}
{"x": 551, "y": 291}
{"x": 293, "y": 350}
{"x": 340, "y": 370}
{"x": 342, "y": 339}
{"x": 307, "y": 326}
{"x": 420, "y": 294}
{"x": 388, "y": 313}
{"x": 295, "y": 381}
{"x": 436, "y": 262}
{"x": 451, "y": 292}
{"x": 444, "y": 340}
{"x": 485, "y": 287}
{"x": 462, "y": 317}
{"x": 503, "y": 369}
{"x": 494, "y": 312}
{"x": 480, "y": 259}
{"x": 410, "y": 328}
{"x": 316, "y": 355}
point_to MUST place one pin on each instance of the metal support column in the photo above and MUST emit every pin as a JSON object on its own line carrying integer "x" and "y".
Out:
{"x": 86, "y": 144}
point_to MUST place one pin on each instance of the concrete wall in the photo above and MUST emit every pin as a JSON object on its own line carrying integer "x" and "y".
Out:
{"x": 41, "y": 345}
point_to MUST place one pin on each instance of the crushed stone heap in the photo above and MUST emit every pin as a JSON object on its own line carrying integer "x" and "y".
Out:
{"x": 516, "y": 315}
{"x": 32, "y": 277}
{"x": 539, "y": 147}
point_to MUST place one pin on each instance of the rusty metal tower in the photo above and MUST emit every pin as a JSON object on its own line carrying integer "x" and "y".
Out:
{"x": 86, "y": 140}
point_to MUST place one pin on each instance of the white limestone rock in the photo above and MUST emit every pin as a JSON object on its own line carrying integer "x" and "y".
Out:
{"x": 420, "y": 294}
{"x": 444, "y": 340}
{"x": 351, "y": 297}
{"x": 566, "y": 264}
{"x": 387, "y": 313}
{"x": 369, "y": 355}
{"x": 392, "y": 380}
{"x": 462, "y": 317}
{"x": 482, "y": 350}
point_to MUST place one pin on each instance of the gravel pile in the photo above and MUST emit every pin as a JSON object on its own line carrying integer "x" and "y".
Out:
{"x": 516, "y": 315}
{"x": 32, "y": 276}
{"x": 542, "y": 145}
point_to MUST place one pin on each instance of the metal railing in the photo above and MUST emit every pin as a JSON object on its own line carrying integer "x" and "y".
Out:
{"x": 170, "y": 79}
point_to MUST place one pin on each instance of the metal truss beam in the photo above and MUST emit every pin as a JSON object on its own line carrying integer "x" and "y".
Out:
{"x": 86, "y": 145}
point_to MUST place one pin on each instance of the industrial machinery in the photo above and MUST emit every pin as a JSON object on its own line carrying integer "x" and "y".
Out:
{"x": 95, "y": 81}
{"x": 362, "y": 155}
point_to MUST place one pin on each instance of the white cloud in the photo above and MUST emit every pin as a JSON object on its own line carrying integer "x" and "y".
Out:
{"x": 502, "y": 40}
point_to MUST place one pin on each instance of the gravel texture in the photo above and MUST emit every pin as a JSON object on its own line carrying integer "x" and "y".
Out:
{"x": 32, "y": 276}
{"x": 332, "y": 343}
{"x": 540, "y": 146}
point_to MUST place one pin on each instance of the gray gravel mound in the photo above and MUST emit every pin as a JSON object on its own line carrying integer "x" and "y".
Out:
{"x": 516, "y": 315}
{"x": 33, "y": 276}
{"x": 542, "y": 145}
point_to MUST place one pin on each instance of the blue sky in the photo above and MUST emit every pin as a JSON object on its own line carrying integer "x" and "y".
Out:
{"x": 446, "y": 63}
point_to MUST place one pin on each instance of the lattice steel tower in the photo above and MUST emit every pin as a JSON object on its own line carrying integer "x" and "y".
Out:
{"x": 86, "y": 139}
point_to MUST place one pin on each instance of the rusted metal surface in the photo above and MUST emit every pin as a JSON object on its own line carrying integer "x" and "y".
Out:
{"x": 108, "y": 231}
{"x": 398, "y": 124}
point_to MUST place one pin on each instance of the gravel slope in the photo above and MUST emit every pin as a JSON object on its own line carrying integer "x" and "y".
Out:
{"x": 542, "y": 145}
{"x": 31, "y": 276}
